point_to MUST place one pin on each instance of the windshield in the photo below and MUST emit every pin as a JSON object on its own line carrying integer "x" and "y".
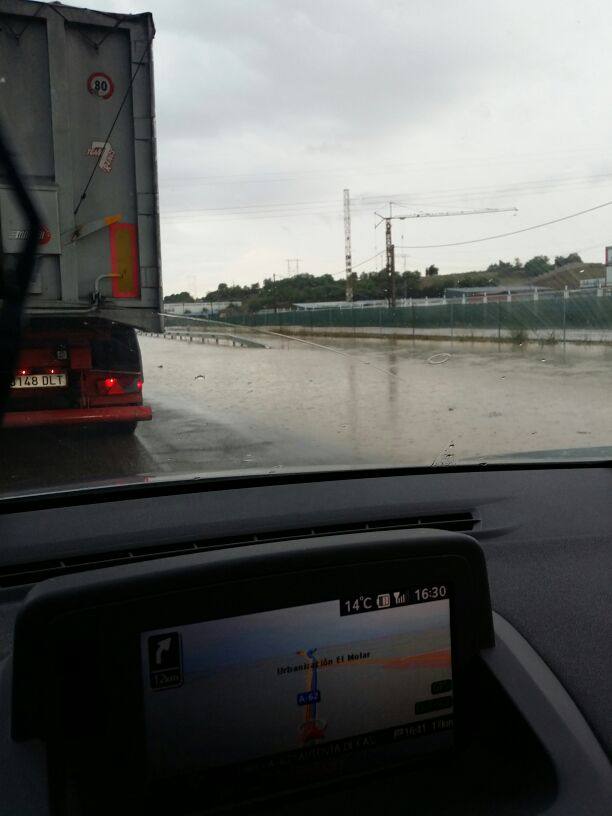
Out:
{"x": 287, "y": 234}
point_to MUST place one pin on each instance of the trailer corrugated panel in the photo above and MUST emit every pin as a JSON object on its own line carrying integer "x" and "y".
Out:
{"x": 76, "y": 100}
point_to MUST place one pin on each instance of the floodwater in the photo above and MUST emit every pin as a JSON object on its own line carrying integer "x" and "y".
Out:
{"x": 334, "y": 401}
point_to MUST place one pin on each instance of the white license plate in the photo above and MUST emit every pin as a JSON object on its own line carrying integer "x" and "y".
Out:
{"x": 39, "y": 381}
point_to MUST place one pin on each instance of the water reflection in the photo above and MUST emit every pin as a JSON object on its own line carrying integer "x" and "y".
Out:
{"x": 43, "y": 457}
{"x": 360, "y": 402}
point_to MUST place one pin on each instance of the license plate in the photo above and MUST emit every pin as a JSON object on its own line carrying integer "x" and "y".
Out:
{"x": 39, "y": 381}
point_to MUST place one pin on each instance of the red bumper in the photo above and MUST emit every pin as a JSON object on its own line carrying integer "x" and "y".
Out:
{"x": 76, "y": 416}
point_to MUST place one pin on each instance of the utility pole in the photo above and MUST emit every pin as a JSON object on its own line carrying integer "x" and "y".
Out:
{"x": 390, "y": 256}
{"x": 348, "y": 259}
{"x": 389, "y": 243}
{"x": 274, "y": 289}
{"x": 403, "y": 257}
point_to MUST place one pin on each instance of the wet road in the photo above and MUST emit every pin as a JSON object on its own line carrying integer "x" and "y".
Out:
{"x": 366, "y": 402}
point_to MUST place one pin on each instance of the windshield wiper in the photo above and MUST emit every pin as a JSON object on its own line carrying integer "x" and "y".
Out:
{"x": 14, "y": 282}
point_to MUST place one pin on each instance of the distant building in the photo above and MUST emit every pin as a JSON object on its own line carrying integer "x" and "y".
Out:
{"x": 200, "y": 307}
{"x": 341, "y": 304}
{"x": 183, "y": 308}
{"x": 471, "y": 291}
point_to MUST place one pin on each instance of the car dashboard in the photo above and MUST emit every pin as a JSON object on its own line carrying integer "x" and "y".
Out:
{"x": 364, "y": 640}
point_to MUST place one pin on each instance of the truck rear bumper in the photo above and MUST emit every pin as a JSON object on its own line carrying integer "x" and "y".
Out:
{"x": 77, "y": 416}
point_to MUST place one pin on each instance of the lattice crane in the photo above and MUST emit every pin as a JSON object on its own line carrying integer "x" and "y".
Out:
{"x": 390, "y": 249}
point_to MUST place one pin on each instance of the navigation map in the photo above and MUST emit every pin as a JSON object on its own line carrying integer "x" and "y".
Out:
{"x": 282, "y": 680}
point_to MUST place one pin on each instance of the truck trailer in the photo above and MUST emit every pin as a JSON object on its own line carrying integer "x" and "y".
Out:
{"x": 77, "y": 105}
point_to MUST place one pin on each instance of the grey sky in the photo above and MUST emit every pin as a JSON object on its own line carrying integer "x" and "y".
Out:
{"x": 267, "y": 109}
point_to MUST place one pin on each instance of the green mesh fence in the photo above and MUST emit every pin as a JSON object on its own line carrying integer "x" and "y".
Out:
{"x": 556, "y": 314}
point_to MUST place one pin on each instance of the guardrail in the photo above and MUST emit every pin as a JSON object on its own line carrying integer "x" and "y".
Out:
{"x": 194, "y": 335}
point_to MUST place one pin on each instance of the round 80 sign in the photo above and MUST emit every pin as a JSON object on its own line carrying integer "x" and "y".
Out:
{"x": 101, "y": 85}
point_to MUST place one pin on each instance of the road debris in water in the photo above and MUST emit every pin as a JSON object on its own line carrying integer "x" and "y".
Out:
{"x": 436, "y": 359}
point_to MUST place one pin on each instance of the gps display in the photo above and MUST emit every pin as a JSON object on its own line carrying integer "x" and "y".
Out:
{"x": 354, "y": 677}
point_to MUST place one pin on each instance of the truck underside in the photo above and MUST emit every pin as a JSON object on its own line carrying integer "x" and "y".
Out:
{"x": 77, "y": 372}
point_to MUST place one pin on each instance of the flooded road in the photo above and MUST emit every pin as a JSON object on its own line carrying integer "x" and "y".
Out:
{"x": 364, "y": 402}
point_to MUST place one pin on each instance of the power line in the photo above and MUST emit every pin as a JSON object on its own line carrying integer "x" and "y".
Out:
{"x": 253, "y": 216}
{"x": 367, "y": 260}
{"x": 279, "y": 205}
{"x": 502, "y": 196}
{"x": 360, "y": 203}
{"x": 323, "y": 206}
{"x": 537, "y": 185}
{"x": 463, "y": 161}
{"x": 533, "y": 184}
{"x": 514, "y": 232}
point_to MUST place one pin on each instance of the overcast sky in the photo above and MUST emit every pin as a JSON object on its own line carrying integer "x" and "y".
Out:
{"x": 267, "y": 109}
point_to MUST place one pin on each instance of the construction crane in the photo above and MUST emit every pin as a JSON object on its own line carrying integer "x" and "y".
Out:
{"x": 347, "y": 247}
{"x": 390, "y": 249}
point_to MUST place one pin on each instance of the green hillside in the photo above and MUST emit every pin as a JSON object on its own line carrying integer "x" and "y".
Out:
{"x": 569, "y": 275}
{"x": 283, "y": 292}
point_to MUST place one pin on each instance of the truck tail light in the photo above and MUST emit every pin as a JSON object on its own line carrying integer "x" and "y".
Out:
{"x": 119, "y": 384}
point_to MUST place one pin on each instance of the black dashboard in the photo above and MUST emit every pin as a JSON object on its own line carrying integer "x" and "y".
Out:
{"x": 96, "y": 588}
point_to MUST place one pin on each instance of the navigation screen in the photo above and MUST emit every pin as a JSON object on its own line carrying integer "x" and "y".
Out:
{"x": 301, "y": 684}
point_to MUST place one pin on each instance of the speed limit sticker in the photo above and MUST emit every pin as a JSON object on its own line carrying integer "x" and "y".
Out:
{"x": 101, "y": 85}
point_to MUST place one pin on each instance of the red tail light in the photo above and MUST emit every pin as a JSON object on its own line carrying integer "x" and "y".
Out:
{"x": 119, "y": 384}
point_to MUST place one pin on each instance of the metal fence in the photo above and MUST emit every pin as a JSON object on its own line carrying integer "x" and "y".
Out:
{"x": 564, "y": 315}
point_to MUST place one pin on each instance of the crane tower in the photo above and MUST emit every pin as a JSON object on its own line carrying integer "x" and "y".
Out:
{"x": 347, "y": 247}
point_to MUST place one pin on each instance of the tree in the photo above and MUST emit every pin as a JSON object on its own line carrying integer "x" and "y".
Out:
{"x": 474, "y": 279}
{"x": 431, "y": 270}
{"x": 538, "y": 265}
{"x": 365, "y": 286}
{"x": 502, "y": 268}
{"x": 232, "y": 309}
{"x": 226, "y": 292}
{"x": 377, "y": 285}
{"x": 573, "y": 257}
{"x": 180, "y": 297}
{"x": 409, "y": 284}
